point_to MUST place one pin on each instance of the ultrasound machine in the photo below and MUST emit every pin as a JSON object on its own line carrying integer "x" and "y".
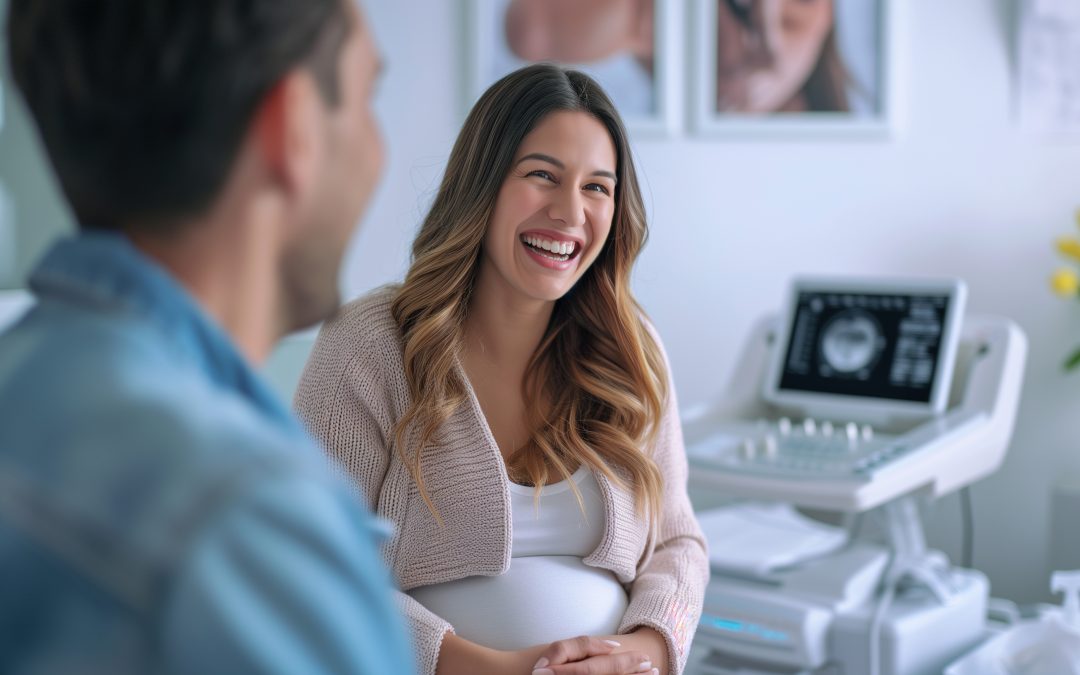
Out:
{"x": 864, "y": 400}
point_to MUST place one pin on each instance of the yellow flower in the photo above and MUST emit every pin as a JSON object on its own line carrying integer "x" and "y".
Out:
{"x": 1069, "y": 246}
{"x": 1065, "y": 282}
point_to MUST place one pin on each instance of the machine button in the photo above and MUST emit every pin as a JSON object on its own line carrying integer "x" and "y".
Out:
{"x": 783, "y": 425}
{"x": 851, "y": 431}
{"x": 769, "y": 446}
{"x": 809, "y": 426}
{"x": 867, "y": 432}
{"x": 826, "y": 429}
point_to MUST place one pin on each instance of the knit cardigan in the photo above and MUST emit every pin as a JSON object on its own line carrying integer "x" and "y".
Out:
{"x": 351, "y": 395}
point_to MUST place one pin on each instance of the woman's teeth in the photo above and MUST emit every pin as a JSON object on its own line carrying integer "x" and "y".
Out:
{"x": 556, "y": 250}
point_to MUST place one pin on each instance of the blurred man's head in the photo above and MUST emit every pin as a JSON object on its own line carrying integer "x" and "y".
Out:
{"x": 156, "y": 113}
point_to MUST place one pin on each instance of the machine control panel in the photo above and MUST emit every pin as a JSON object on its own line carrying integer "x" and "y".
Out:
{"x": 805, "y": 447}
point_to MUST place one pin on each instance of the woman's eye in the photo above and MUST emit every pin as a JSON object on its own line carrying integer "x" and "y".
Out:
{"x": 542, "y": 174}
{"x": 596, "y": 187}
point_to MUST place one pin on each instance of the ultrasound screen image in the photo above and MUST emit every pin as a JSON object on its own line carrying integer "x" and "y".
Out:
{"x": 865, "y": 344}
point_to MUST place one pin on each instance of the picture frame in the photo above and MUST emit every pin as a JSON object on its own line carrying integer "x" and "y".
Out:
{"x": 846, "y": 89}
{"x": 641, "y": 85}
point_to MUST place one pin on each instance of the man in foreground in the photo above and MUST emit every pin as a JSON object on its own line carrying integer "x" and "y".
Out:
{"x": 159, "y": 509}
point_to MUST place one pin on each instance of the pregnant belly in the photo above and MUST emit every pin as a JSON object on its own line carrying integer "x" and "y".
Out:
{"x": 539, "y": 600}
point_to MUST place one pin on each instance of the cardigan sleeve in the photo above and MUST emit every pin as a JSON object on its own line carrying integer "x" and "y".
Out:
{"x": 346, "y": 405}
{"x": 669, "y": 590}
{"x": 337, "y": 399}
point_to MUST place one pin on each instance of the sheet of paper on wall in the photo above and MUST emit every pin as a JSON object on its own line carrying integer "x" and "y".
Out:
{"x": 1049, "y": 80}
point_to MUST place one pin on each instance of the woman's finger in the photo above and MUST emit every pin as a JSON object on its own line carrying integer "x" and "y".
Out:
{"x": 623, "y": 663}
{"x": 574, "y": 649}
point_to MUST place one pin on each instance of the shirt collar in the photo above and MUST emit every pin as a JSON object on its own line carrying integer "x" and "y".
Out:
{"x": 104, "y": 269}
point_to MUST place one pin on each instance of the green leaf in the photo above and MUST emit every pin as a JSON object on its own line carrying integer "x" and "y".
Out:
{"x": 1073, "y": 361}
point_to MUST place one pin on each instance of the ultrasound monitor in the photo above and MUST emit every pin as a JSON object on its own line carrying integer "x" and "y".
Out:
{"x": 867, "y": 349}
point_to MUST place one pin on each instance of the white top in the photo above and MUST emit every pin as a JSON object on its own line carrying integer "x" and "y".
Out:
{"x": 548, "y": 593}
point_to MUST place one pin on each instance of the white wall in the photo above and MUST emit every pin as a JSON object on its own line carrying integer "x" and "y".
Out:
{"x": 959, "y": 191}
{"x": 39, "y": 213}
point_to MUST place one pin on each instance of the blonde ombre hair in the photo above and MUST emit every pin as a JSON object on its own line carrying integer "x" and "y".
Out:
{"x": 596, "y": 386}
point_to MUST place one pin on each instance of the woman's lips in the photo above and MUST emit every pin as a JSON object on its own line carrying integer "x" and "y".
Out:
{"x": 551, "y": 260}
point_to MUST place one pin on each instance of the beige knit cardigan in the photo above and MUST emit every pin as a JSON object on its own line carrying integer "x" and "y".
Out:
{"x": 352, "y": 393}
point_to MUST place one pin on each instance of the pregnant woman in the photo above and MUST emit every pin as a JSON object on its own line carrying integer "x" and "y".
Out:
{"x": 509, "y": 408}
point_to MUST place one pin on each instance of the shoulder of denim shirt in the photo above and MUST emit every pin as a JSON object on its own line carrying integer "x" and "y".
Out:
{"x": 123, "y": 452}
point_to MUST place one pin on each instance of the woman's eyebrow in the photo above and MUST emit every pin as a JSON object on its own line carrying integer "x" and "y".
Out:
{"x": 543, "y": 158}
{"x": 551, "y": 160}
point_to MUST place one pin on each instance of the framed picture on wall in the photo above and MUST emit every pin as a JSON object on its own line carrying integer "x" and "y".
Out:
{"x": 794, "y": 67}
{"x": 626, "y": 45}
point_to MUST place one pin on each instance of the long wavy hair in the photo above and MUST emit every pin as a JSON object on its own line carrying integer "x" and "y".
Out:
{"x": 596, "y": 385}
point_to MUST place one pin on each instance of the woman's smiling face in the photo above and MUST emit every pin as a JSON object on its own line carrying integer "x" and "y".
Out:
{"x": 554, "y": 210}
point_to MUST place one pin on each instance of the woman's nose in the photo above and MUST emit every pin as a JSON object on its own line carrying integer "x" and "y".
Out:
{"x": 567, "y": 206}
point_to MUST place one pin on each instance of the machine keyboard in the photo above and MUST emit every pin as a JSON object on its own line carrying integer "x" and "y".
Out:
{"x": 807, "y": 449}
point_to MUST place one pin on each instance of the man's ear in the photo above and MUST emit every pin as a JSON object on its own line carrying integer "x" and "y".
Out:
{"x": 288, "y": 132}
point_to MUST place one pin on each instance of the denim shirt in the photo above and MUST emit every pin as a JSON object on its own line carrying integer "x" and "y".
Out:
{"x": 160, "y": 511}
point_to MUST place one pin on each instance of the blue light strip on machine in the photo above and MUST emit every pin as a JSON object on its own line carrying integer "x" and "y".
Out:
{"x": 745, "y": 628}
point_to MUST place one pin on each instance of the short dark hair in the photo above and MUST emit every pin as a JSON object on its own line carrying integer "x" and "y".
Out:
{"x": 142, "y": 104}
